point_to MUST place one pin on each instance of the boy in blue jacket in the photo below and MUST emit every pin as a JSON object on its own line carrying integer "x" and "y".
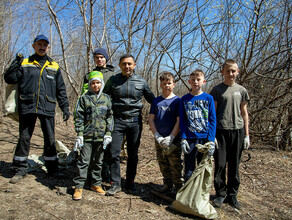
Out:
{"x": 197, "y": 121}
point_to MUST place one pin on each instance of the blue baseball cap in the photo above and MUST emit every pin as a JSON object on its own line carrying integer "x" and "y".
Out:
{"x": 41, "y": 37}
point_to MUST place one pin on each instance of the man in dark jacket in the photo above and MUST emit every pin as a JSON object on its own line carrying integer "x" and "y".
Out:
{"x": 40, "y": 86}
{"x": 126, "y": 90}
{"x": 101, "y": 58}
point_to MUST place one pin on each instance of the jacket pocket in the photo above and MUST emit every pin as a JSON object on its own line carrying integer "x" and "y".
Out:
{"x": 26, "y": 101}
{"x": 138, "y": 91}
{"x": 50, "y": 104}
{"x": 27, "y": 97}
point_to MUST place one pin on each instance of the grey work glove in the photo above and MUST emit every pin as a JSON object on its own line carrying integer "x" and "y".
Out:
{"x": 158, "y": 138}
{"x": 185, "y": 146}
{"x": 246, "y": 142}
{"x": 167, "y": 141}
{"x": 78, "y": 144}
{"x": 106, "y": 141}
{"x": 212, "y": 148}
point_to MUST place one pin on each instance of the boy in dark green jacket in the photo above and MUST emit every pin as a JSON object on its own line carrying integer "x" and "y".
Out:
{"x": 93, "y": 124}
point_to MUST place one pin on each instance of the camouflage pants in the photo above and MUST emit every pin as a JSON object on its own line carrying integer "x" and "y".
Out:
{"x": 170, "y": 166}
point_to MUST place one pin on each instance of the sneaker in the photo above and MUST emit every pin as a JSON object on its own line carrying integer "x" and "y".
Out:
{"x": 218, "y": 201}
{"x": 77, "y": 194}
{"x": 98, "y": 189}
{"x": 132, "y": 189}
{"x": 16, "y": 178}
{"x": 113, "y": 190}
{"x": 232, "y": 200}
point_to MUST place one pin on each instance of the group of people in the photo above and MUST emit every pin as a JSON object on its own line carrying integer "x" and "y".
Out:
{"x": 110, "y": 109}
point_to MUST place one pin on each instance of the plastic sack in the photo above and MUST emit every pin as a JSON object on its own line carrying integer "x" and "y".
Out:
{"x": 193, "y": 197}
{"x": 65, "y": 156}
{"x": 11, "y": 102}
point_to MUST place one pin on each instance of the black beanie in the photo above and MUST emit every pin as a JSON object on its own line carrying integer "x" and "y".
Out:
{"x": 101, "y": 51}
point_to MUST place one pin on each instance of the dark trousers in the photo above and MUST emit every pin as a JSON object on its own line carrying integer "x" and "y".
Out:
{"x": 230, "y": 146}
{"x": 91, "y": 153}
{"x": 192, "y": 157}
{"x": 26, "y": 128}
{"x": 132, "y": 129}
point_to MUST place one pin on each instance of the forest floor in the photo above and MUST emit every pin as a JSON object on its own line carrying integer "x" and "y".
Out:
{"x": 265, "y": 191}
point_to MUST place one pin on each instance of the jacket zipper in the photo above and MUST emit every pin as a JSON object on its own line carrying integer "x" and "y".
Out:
{"x": 38, "y": 95}
{"x": 128, "y": 95}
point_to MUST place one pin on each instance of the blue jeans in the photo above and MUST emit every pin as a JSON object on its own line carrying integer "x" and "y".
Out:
{"x": 192, "y": 157}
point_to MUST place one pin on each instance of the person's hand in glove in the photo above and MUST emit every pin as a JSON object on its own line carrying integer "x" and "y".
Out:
{"x": 246, "y": 142}
{"x": 16, "y": 63}
{"x": 158, "y": 138}
{"x": 66, "y": 114}
{"x": 78, "y": 143}
{"x": 212, "y": 148}
{"x": 167, "y": 141}
{"x": 185, "y": 146}
{"x": 19, "y": 58}
{"x": 106, "y": 141}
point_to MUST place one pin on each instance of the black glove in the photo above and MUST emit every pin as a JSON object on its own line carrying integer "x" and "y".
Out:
{"x": 16, "y": 63}
{"x": 66, "y": 114}
{"x": 19, "y": 58}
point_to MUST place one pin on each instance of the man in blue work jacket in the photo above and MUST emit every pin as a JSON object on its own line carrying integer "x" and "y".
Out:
{"x": 40, "y": 86}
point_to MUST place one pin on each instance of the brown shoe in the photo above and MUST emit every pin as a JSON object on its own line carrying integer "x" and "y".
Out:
{"x": 77, "y": 194}
{"x": 98, "y": 189}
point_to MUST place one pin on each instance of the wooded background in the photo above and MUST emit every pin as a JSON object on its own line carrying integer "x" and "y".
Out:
{"x": 178, "y": 36}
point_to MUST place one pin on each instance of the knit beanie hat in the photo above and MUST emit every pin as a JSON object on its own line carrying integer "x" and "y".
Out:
{"x": 101, "y": 51}
{"x": 96, "y": 75}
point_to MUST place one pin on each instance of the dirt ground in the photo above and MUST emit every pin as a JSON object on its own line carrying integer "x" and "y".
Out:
{"x": 265, "y": 190}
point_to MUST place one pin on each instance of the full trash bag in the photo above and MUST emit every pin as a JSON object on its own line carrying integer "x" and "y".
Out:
{"x": 11, "y": 102}
{"x": 65, "y": 158}
{"x": 193, "y": 197}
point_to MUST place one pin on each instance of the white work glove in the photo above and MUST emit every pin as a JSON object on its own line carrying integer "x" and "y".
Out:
{"x": 78, "y": 143}
{"x": 185, "y": 146}
{"x": 158, "y": 137}
{"x": 106, "y": 141}
{"x": 167, "y": 141}
{"x": 246, "y": 142}
{"x": 212, "y": 148}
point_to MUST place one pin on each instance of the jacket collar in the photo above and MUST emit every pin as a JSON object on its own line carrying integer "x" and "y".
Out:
{"x": 33, "y": 58}
{"x": 109, "y": 67}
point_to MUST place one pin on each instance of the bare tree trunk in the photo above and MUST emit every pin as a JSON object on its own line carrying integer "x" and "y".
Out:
{"x": 58, "y": 27}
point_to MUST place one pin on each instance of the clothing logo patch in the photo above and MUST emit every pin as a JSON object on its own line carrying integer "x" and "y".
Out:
{"x": 163, "y": 108}
{"x": 237, "y": 93}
